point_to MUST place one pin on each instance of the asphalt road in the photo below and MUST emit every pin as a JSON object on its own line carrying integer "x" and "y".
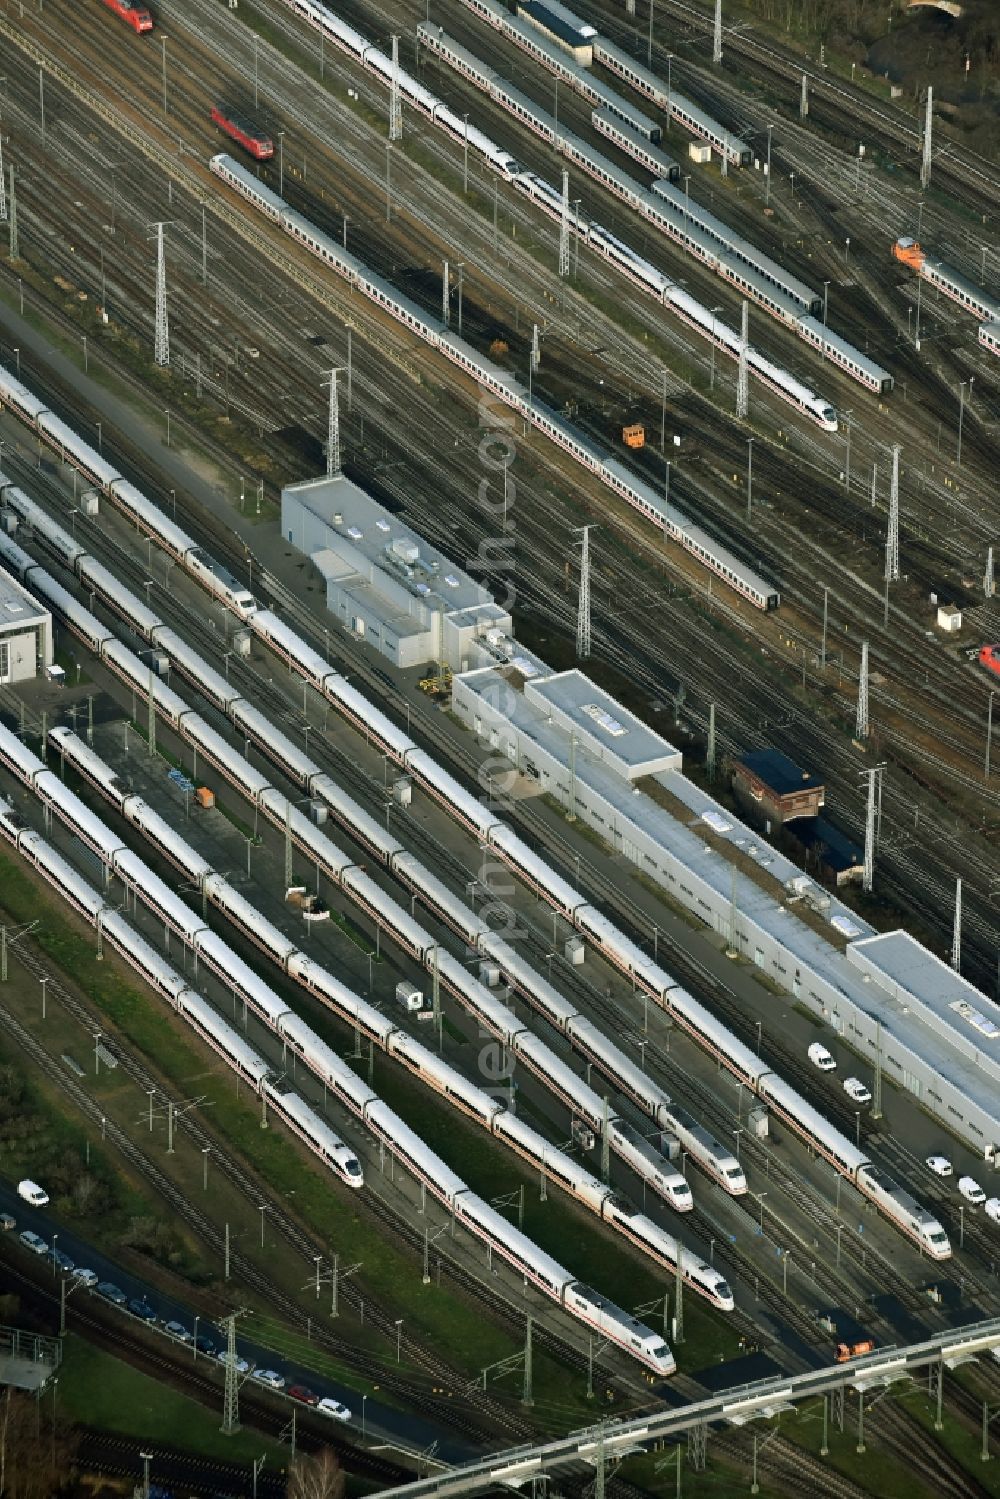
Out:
{"x": 381, "y": 1422}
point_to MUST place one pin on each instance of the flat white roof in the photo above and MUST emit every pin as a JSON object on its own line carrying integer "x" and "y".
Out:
{"x": 18, "y": 609}
{"x": 932, "y": 989}
{"x": 601, "y": 719}
{"x": 374, "y": 537}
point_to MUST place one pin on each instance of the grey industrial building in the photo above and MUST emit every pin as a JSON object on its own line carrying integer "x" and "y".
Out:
{"x": 383, "y": 582}
{"x": 898, "y": 1006}
{"x": 25, "y": 633}
{"x": 890, "y": 999}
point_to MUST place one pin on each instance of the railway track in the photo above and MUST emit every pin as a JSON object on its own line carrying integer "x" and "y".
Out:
{"x": 471, "y": 1409}
{"x": 92, "y": 1321}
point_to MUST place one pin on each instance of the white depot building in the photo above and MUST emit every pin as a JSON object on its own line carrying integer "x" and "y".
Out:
{"x": 25, "y": 633}
{"x": 908, "y": 1014}
{"x": 384, "y": 583}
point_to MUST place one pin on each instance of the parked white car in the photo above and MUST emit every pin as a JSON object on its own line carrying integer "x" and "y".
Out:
{"x": 270, "y": 1377}
{"x": 33, "y": 1193}
{"x": 821, "y": 1058}
{"x": 86, "y": 1277}
{"x": 334, "y": 1409}
{"x": 856, "y": 1090}
{"x": 971, "y": 1190}
{"x": 34, "y": 1242}
{"x": 992, "y": 1208}
{"x": 940, "y": 1165}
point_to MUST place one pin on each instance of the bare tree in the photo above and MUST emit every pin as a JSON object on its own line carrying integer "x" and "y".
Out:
{"x": 36, "y": 1453}
{"x": 317, "y": 1477}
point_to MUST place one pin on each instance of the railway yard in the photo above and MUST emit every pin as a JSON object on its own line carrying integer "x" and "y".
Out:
{"x": 435, "y": 931}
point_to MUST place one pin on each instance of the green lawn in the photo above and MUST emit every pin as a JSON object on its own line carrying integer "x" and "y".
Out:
{"x": 96, "y": 1389}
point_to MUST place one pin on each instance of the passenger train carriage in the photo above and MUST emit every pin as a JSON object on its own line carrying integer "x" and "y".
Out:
{"x": 546, "y": 1273}
{"x": 349, "y": 700}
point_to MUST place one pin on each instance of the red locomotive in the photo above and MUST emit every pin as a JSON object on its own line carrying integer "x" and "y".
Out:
{"x": 244, "y": 132}
{"x": 989, "y": 656}
{"x": 136, "y": 16}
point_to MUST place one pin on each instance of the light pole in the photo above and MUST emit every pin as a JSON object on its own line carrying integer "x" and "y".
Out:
{"x": 737, "y": 1133}
{"x": 194, "y": 1339}
{"x": 465, "y": 168}
{"x": 364, "y": 1402}
{"x": 715, "y": 311}
{"x": 857, "y": 1128}
{"x": 54, "y": 1239}
{"x": 750, "y": 443}
{"x": 826, "y": 292}
{"x": 17, "y": 360}
{"x": 961, "y": 1225}
{"x": 263, "y": 1210}
{"x": 163, "y": 44}
{"x": 399, "y": 1337}
{"x": 43, "y": 981}
{"x": 204, "y": 1168}
{"x": 281, "y": 162}
{"x": 767, "y": 169}
{"x": 147, "y": 1458}
{"x": 166, "y": 413}
{"x": 760, "y": 1198}
{"x": 989, "y": 732}
{"x": 100, "y": 438}
{"x": 961, "y": 414}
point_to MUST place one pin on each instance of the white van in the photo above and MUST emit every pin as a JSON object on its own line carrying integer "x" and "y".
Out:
{"x": 33, "y": 1193}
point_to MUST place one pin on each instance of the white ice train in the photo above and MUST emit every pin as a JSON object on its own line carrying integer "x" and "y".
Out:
{"x": 736, "y": 260}
{"x": 619, "y": 949}
{"x": 479, "y": 1105}
{"x": 151, "y": 966}
{"x": 505, "y": 387}
{"x": 551, "y": 1278}
{"x": 642, "y": 497}
{"x": 664, "y": 1179}
{"x": 693, "y": 228}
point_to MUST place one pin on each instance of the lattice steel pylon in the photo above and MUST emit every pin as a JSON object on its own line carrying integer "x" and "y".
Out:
{"x": 925, "y": 164}
{"x": 717, "y": 33}
{"x": 743, "y": 379}
{"x": 989, "y": 584}
{"x": 333, "y": 427}
{"x": 583, "y": 611}
{"x": 13, "y": 218}
{"x": 564, "y": 227}
{"x": 161, "y": 351}
{"x": 868, "y": 876}
{"x": 892, "y": 531}
{"x": 395, "y": 102}
{"x": 231, "y": 1399}
{"x": 861, "y": 726}
{"x": 956, "y": 934}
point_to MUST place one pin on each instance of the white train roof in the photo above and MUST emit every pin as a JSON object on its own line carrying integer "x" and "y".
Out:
{"x": 65, "y": 437}
{"x": 229, "y": 1039}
